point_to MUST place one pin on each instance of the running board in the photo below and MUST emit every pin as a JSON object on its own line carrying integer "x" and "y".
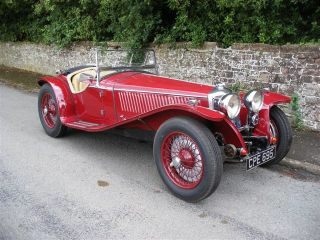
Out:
{"x": 86, "y": 126}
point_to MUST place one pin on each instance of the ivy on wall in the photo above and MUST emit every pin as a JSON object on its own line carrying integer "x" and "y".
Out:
{"x": 139, "y": 22}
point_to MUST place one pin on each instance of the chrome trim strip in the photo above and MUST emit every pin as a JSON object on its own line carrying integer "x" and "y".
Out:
{"x": 83, "y": 124}
{"x": 177, "y": 79}
{"x": 100, "y": 87}
{"x": 146, "y": 91}
{"x": 97, "y": 70}
{"x": 88, "y": 123}
{"x": 114, "y": 102}
{"x": 157, "y": 92}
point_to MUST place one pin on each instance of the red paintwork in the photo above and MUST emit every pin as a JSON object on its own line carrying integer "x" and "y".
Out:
{"x": 243, "y": 152}
{"x": 135, "y": 99}
{"x": 63, "y": 96}
{"x": 270, "y": 99}
{"x": 146, "y": 82}
{"x": 191, "y": 161}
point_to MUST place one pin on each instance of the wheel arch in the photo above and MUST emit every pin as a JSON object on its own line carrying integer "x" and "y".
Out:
{"x": 216, "y": 122}
{"x": 63, "y": 96}
{"x": 272, "y": 98}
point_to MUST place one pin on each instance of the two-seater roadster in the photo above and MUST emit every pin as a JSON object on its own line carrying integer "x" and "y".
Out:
{"x": 195, "y": 127}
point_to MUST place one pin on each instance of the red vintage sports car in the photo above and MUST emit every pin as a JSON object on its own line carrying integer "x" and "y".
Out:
{"x": 195, "y": 127}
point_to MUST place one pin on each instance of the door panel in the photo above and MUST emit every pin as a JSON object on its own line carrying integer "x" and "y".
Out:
{"x": 90, "y": 105}
{"x": 109, "y": 108}
{"x": 96, "y": 105}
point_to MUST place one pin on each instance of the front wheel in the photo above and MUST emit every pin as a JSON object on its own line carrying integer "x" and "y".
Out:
{"x": 280, "y": 128}
{"x": 188, "y": 158}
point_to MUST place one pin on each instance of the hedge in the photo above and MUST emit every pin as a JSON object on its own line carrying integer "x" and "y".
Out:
{"x": 141, "y": 22}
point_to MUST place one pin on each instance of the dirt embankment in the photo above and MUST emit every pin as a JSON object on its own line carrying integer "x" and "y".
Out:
{"x": 18, "y": 78}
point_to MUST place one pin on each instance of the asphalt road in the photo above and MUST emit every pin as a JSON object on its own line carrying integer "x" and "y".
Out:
{"x": 49, "y": 189}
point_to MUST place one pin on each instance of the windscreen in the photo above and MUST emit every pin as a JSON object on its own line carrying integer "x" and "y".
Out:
{"x": 124, "y": 59}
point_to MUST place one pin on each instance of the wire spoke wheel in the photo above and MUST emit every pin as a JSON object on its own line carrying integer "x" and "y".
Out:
{"x": 188, "y": 158}
{"x": 273, "y": 129}
{"x": 280, "y": 129}
{"x": 274, "y": 132}
{"x": 49, "y": 110}
{"x": 182, "y": 160}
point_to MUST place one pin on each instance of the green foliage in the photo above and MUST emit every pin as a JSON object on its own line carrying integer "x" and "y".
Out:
{"x": 139, "y": 22}
{"x": 296, "y": 113}
{"x": 16, "y": 19}
{"x": 133, "y": 22}
{"x": 239, "y": 87}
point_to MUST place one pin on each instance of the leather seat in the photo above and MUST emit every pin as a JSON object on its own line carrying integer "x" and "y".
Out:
{"x": 77, "y": 86}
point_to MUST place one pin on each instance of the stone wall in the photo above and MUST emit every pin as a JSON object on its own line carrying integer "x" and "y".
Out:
{"x": 289, "y": 69}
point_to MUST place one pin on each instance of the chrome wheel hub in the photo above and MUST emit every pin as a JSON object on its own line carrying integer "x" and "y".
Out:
{"x": 45, "y": 111}
{"x": 176, "y": 161}
{"x": 186, "y": 159}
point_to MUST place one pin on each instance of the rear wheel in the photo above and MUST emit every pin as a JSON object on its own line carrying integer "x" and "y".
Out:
{"x": 280, "y": 128}
{"x": 188, "y": 158}
{"x": 49, "y": 112}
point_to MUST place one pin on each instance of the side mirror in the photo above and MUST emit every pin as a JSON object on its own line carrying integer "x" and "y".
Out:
{"x": 85, "y": 78}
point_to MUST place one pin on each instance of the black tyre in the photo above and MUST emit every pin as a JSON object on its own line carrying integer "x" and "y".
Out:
{"x": 49, "y": 112}
{"x": 281, "y": 129}
{"x": 188, "y": 158}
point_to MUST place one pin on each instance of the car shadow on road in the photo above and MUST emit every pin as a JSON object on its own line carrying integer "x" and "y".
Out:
{"x": 133, "y": 160}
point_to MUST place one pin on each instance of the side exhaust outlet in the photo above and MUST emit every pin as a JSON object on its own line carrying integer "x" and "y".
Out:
{"x": 230, "y": 150}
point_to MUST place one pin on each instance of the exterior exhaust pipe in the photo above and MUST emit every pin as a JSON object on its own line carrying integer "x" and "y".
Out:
{"x": 230, "y": 150}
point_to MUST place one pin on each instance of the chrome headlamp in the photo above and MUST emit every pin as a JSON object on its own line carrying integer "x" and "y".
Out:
{"x": 223, "y": 100}
{"x": 253, "y": 100}
{"x": 230, "y": 104}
